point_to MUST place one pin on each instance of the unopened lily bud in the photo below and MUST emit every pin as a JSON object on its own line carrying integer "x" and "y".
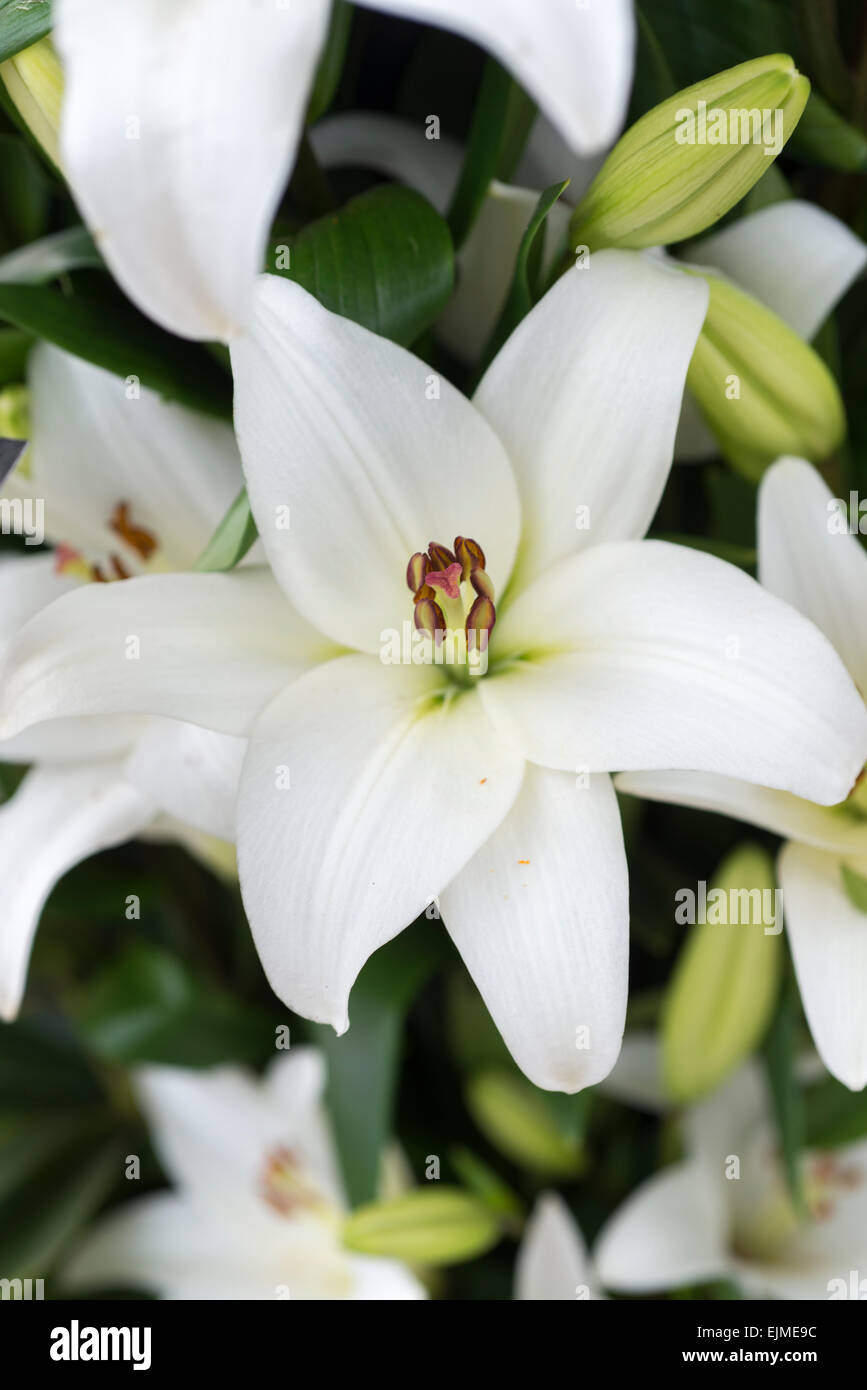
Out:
{"x": 762, "y": 389}
{"x": 34, "y": 81}
{"x": 514, "y": 1117}
{"x": 690, "y": 159}
{"x": 439, "y": 1226}
{"x": 721, "y": 996}
{"x": 15, "y": 412}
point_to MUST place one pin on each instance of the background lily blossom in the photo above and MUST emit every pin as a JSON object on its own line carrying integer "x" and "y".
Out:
{"x": 128, "y": 484}
{"x": 257, "y": 1204}
{"x": 726, "y": 1211}
{"x": 806, "y": 559}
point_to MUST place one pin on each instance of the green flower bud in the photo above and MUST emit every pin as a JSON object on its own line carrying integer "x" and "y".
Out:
{"x": 515, "y": 1118}
{"x": 34, "y": 81}
{"x": 434, "y": 1226}
{"x": 762, "y": 390}
{"x": 688, "y": 160}
{"x": 15, "y": 412}
{"x": 721, "y": 996}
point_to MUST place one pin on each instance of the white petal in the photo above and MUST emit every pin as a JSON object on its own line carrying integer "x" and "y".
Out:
{"x": 585, "y": 395}
{"x": 94, "y": 446}
{"x": 646, "y": 655}
{"x": 28, "y": 583}
{"x": 782, "y": 814}
{"x": 669, "y": 1232}
{"x": 57, "y": 817}
{"x": 212, "y": 648}
{"x": 362, "y": 795}
{"x": 822, "y": 572}
{"x": 295, "y": 1088}
{"x": 189, "y": 773}
{"x": 390, "y": 145}
{"x": 541, "y": 918}
{"x": 73, "y": 740}
{"x": 340, "y": 427}
{"x": 153, "y": 1243}
{"x": 828, "y": 937}
{"x": 574, "y": 60}
{"x": 378, "y": 1279}
{"x": 731, "y": 1120}
{"x": 179, "y": 129}
{"x": 552, "y": 1258}
{"x": 637, "y": 1075}
{"x": 792, "y": 256}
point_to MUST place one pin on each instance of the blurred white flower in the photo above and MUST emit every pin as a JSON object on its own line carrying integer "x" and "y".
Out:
{"x": 725, "y": 1211}
{"x": 552, "y": 1264}
{"x": 180, "y": 123}
{"x": 806, "y": 559}
{"x": 257, "y": 1204}
{"x": 370, "y": 789}
{"x": 127, "y": 484}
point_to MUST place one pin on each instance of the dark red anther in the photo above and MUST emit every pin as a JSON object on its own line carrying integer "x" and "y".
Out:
{"x": 418, "y": 566}
{"x": 440, "y": 555}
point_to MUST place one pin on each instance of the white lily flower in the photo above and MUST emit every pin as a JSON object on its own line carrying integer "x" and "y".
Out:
{"x": 552, "y": 1264}
{"x": 179, "y": 177}
{"x": 805, "y": 560}
{"x": 257, "y": 1205}
{"x": 374, "y": 784}
{"x": 725, "y": 1211}
{"x": 793, "y": 257}
{"x": 124, "y": 485}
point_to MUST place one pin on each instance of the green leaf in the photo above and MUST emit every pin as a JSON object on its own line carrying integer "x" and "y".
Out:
{"x": 42, "y": 1064}
{"x": 25, "y": 195}
{"x": 331, "y": 61}
{"x": 22, "y": 22}
{"x": 513, "y": 1116}
{"x": 232, "y": 538}
{"x": 823, "y": 137}
{"x": 435, "y": 1226}
{"x": 856, "y": 887}
{"x": 834, "y": 1115}
{"x": 147, "y": 1007}
{"x": 362, "y": 1065}
{"x": 384, "y": 260}
{"x": 44, "y": 260}
{"x": 522, "y": 295}
{"x": 487, "y": 1185}
{"x": 56, "y": 1201}
{"x": 91, "y": 319}
{"x": 14, "y": 347}
{"x": 781, "y": 1050}
{"x": 484, "y": 151}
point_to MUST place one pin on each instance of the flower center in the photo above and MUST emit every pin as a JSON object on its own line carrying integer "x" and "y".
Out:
{"x": 285, "y": 1188}
{"x": 453, "y": 600}
{"x": 136, "y": 539}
